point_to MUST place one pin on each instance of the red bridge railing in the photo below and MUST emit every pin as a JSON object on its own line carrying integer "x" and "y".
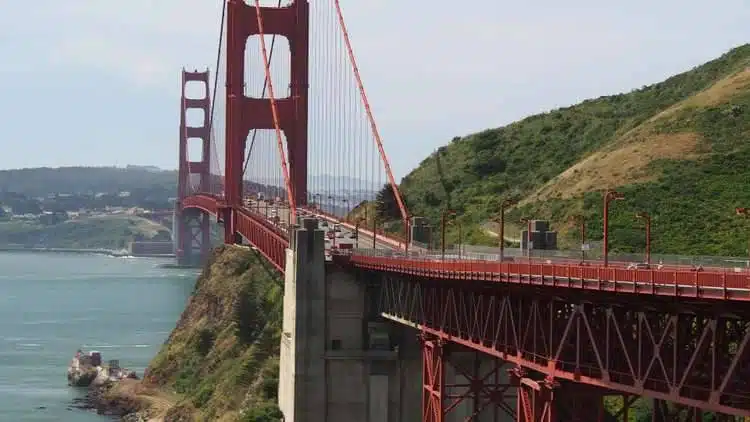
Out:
{"x": 682, "y": 283}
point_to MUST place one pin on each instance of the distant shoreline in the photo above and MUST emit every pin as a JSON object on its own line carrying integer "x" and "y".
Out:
{"x": 108, "y": 252}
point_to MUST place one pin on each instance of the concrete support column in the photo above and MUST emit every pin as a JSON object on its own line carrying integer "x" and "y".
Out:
{"x": 302, "y": 381}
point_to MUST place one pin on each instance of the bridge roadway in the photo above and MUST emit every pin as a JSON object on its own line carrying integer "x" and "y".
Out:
{"x": 735, "y": 281}
{"x": 674, "y": 280}
{"x": 270, "y": 210}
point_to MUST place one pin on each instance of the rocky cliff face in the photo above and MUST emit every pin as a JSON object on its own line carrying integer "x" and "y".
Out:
{"x": 220, "y": 362}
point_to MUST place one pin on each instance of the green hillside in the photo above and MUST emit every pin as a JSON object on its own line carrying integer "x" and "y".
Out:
{"x": 676, "y": 149}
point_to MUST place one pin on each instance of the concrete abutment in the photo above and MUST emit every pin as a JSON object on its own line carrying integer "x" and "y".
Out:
{"x": 342, "y": 362}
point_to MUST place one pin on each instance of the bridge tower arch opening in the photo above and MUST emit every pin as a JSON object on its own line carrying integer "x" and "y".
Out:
{"x": 192, "y": 231}
{"x": 246, "y": 113}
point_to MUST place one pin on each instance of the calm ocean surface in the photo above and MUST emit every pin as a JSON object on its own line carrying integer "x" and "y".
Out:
{"x": 51, "y": 304}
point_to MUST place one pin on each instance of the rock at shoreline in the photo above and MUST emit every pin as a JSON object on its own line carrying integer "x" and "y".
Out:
{"x": 82, "y": 377}
{"x": 98, "y": 399}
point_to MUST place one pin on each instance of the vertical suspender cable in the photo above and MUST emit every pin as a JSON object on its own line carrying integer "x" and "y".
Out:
{"x": 373, "y": 125}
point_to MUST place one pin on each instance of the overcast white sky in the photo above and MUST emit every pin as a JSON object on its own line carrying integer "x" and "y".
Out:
{"x": 92, "y": 82}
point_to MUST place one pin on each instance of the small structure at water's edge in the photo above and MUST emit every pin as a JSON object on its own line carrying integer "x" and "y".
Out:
{"x": 86, "y": 370}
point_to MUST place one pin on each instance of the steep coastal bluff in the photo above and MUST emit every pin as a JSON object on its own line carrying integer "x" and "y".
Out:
{"x": 220, "y": 362}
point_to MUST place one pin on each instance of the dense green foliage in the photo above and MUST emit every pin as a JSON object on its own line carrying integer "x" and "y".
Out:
{"x": 223, "y": 356}
{"x": 691, "y": 202}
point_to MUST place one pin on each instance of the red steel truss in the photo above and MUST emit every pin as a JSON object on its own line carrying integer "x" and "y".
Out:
{"x": 682, "y": 283}
{"x": 489, "y": 390}
{"x": 691, "y": 353}
{"x": 534, "y": 399}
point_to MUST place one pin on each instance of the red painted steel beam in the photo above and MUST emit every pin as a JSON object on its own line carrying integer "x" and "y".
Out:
{"x": 691, "y": 356}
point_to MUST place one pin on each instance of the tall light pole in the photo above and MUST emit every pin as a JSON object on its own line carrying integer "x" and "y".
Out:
{"x": 528, "y": 237}
{"x": 345, "y": 201}
{"x": 745, "y": 212}
{"x": 407, "y": 235}
{"x": 460, "y": 236}
{"x": 581, "y": 220}
{"x": 609, "y": 196}
{"x": 356, "y": 232}
{"x": 505, "y": 204}
{"x": 647, "y": 218}
{"x": 445, "y": 215}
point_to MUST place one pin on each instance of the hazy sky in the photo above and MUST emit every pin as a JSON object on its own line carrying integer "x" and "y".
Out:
{"x": 94, "y": 82}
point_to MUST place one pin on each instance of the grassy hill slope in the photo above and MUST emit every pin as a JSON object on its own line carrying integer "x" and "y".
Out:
{"x": 677, "y": 149}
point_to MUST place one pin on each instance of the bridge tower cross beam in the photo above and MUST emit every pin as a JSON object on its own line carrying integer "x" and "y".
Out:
{"x": 192, "y": 227}
{"x": 245, "y": 114}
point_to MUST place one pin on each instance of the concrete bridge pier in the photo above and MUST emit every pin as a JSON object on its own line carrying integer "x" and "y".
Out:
{"x": 340, "y": 361}
{"x": 192, "y": 237}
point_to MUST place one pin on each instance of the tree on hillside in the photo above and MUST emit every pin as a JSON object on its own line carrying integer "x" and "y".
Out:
{"x": 386, "y": 204}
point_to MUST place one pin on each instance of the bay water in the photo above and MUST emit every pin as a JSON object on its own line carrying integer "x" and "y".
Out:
{"x": 53, "y": 304}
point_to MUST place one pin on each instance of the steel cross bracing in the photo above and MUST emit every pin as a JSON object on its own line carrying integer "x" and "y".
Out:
{"x": 691, "y": 353}
{"x": 484, "y": 388}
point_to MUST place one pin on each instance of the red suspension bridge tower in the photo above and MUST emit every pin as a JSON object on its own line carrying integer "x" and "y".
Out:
{"x": 192, "y": 230}
{"x": 287, "y": 115}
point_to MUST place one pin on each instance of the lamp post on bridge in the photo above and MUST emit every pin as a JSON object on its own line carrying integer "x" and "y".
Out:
{"x": 444, "y": 216}
{"x": 505, "y": 204}
{"x": 581, "y": 221}
{"x": 375, "y": 223}
{"x": 647, "y": 218}
{"x": 346, "y": 209}
{"x": 528, "y": 237}
{"x": 460, "y": 235}
{"x": 745, "y": 212}
{"x": 609, "y": 196}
